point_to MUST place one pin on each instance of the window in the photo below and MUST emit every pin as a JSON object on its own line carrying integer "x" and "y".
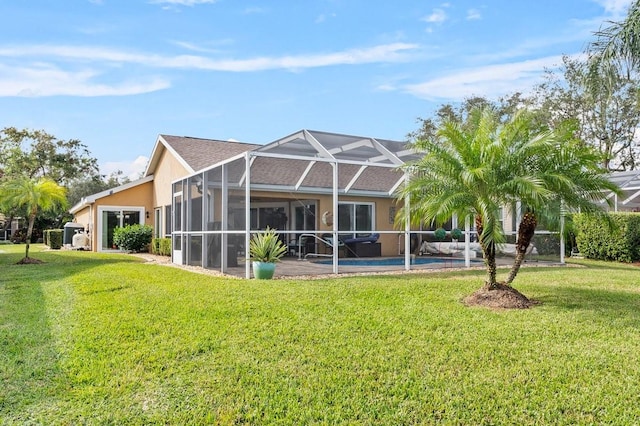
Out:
{"x": 357, "y": 218}
{"x": 167, "y": 221}
{"x": 157, "y": 222}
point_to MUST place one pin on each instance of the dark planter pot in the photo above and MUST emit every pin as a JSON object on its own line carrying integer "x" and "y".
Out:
{"x": 263, "y": 270}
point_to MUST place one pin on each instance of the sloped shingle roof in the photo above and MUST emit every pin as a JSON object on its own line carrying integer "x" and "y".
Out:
{"x": 201, "y": 153}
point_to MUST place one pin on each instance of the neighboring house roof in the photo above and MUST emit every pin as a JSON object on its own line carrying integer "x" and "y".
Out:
{"x": 196, "y": 153}
{"x": 90, "y": 199}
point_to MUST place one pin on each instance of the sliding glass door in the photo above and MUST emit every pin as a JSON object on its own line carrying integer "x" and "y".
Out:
{"x": 110, "y": 218}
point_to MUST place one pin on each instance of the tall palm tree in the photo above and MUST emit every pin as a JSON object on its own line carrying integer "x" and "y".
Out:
{"x": 618, "y": 44}
{"x": 41, "y": 195}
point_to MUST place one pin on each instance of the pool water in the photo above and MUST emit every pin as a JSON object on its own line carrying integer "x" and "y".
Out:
{"x": 391, "y": 261}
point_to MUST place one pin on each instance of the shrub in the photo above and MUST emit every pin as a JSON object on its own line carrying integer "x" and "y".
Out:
{"x": 133, "y": 237}
{"x": 161, "y": 246}
{"x": 598, "y": 239}
{"x": 53, "y": 238}
{"x": 440, "y": 234}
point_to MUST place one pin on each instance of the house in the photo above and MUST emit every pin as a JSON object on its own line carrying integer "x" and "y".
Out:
{"x": 148, "y": 200}
{"x": 209, "y": 195}
{"x": 314, "y": 187}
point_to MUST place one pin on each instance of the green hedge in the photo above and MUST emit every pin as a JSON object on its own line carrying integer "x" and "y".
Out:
{"x": 53, "y": 238}
{"x": 597, "y": 239}
{"x": 161, "y": 246}
{"x": 134, "y": 238}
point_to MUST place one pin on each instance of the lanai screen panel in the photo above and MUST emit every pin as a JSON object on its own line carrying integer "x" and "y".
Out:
{"x": 236, "y": 182}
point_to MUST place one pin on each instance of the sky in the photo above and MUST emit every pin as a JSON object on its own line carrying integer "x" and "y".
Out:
{"x": 115, "y": 74}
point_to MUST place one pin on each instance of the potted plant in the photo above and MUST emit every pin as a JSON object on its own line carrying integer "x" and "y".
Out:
{"x": 265, "y": 250}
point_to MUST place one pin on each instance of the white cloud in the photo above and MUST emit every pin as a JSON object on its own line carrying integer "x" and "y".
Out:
{"x": 384, "y": 53}
{"x": 437, "y": 16}
{"x": 209, "y": 47}
{"x": 615, "y": 7}
{"x": 490, "y": 81}
{"x": 47, "y": 80}
{"x": 74, "y": 70}
{"x": 473, "y": 15}
{"x": 131, "y": 169}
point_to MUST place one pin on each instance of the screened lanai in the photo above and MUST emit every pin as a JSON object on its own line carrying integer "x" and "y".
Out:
{"x": 329, "y": 196}
{"x": 629, "y": 183}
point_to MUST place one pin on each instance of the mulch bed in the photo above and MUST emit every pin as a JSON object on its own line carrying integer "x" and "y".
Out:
{"x": 29, "y": 261}
{"x": 503, "y": 297}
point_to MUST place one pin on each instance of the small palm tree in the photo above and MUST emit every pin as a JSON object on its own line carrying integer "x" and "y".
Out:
{"x": 477, "y": 167}
{"x": 458, "y": 175}
{"x": 573, "y": 178}
{"x": 41, "y": 195}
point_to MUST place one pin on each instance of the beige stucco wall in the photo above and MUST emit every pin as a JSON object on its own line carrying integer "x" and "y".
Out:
{"x": 167, "y": 170}
{"x": 83, "y": 217}
{"x": 137, "y": 196}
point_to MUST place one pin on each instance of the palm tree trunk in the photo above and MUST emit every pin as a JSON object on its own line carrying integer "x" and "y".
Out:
{"x": 490, "y": 261}
{"x": 526, "y": 230}
{"x": 489, "y": 252}
{"x": 32, "y": 220}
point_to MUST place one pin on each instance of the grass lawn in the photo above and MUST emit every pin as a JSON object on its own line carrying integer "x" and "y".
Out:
{"x": 104, "y": 339}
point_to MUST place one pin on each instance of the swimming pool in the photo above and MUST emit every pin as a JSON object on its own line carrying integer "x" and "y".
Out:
{"x": 392, "y": 261}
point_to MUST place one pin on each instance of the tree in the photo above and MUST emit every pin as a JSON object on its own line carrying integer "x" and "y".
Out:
{"x": 476, "y": 167}
{"x": 605, "y": 106}
{"x": 574, "y": 180}
{"x": 34, "y": 195}
{"x": 34, "y": 154}
{"x": 83, "y": 186}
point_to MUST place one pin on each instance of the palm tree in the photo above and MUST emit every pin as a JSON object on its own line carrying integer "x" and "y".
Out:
{"x": 41, "y": 195}
{"x": 459, "y": 174}
{"x": 571, "y": 172}
{"x": 618, "y": 44}
{"x": 477, "y": 167}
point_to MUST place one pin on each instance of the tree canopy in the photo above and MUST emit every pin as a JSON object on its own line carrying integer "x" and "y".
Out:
{"x": 36, "y": 153}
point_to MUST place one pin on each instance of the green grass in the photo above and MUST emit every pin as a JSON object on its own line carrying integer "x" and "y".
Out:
{"x": 104, "y": 339}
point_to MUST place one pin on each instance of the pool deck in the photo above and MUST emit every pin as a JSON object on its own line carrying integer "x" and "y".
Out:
{"x": 292, "y": 268}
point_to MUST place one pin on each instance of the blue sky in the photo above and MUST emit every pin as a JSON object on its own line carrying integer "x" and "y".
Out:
{"x": 116, "y": 73}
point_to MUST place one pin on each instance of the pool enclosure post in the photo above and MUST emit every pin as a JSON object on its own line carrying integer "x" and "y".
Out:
{"x": 467, "y": 242}
{"x": 336, "y": 243}
{"x": 247, "y": 214}
{"x": 224, "y": 218}
{"x": 407, "y": 235}
{"x": 562, "y": 233}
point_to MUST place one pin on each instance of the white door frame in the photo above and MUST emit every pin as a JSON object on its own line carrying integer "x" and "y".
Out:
{"x": 120, "y": 209}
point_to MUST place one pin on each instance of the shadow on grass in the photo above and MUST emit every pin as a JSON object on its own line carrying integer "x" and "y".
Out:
{"x": 603, "y": 302}
{"x": 29, "y": 361}
{"x": 59, "y": 263}
{"x": 600, "y": 264}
